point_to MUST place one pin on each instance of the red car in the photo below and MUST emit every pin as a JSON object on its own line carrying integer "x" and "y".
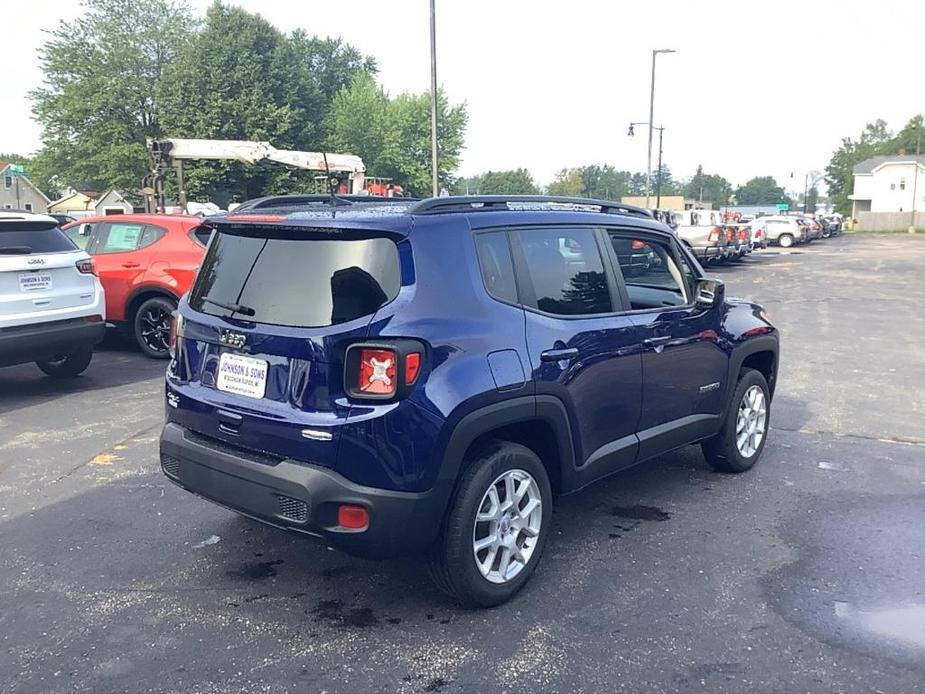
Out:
{"x": 146, "y": 262}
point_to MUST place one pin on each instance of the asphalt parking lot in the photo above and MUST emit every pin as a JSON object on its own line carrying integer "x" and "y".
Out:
{"x": 805, "y": 575}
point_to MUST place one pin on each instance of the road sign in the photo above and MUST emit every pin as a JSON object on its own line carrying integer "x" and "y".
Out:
{"x": 783, "y": 207}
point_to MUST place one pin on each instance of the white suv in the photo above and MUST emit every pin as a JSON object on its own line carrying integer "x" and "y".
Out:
{"x": 51, "y": 301}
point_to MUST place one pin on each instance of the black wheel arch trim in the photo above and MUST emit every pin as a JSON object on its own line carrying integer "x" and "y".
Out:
{"x": 154, "y": 289}
{"x": 470, "y": 427}
{"x": 753, "y": 345}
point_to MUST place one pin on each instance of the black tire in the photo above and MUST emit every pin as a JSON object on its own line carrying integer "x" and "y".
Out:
{"x": 785, "y": 240}
{"x": 151, "y": 326}
{"x": 453, "y": 564}
{"x": 722, "y": 451}
{"x": 68, "y": 365}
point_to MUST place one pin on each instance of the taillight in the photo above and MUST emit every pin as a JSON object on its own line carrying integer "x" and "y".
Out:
{"x": 730, "y": 235}
{"x": 743, "y": 235}
{"x": 383, "y": 371}
{"x": 86, "y": 266}
{"x": 714, "y": 235}
{"x": 376, "y": 375}
{"x": 638, "y": 245}
{"x": 176, "y": 332}
{"x": 412, "y": 367}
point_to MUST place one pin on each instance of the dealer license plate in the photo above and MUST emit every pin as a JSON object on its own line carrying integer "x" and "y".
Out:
{"x": 242, "y": 375}
{"x": 35, "y": 281}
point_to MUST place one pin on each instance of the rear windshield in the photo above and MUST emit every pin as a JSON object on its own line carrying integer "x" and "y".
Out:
{"x": 22, "y": 238}
{"x": 296, "y": 282}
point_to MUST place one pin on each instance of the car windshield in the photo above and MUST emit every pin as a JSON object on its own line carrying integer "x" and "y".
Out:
{"x": 296, "y": 282}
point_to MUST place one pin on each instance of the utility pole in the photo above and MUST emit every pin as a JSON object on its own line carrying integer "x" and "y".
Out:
{"x": 658, "y": 175}
{"x": 805, "y": 190}
{"x": 433, "y": 100}
{"x": 651, "y": 121}
{"x": 915, "y": 179}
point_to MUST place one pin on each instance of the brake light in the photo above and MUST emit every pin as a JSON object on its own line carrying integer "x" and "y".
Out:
{"x": 638, "y": 245}
{"x": 714, "y": 235}
{"x": 758, "y": 232}
{"x": 86, "y": 266}
{"x": 412, "y": 367}
{"x": 377, "y": 371}
{"x": 743, "y": 235}
{"x": 730, "y": 235}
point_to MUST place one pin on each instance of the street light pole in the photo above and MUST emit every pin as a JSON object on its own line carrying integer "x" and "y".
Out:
{"x": 433, "y": 100}
{"x": 658, "y": 174}
{"x": 651, "y": 121}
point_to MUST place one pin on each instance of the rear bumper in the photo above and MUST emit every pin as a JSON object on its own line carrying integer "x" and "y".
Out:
{"x": 43, "y": 341}
{"x": 708, "y": 252}
{"x": 303, "y": 498}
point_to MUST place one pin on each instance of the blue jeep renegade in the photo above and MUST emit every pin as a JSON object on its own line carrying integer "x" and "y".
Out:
{"x": 428, "y": 376}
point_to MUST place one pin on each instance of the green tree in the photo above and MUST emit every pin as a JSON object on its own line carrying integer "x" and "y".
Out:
{"x": 392, "y": 134}
{"x": 97, "y": 103}
{"x": 839, "y": 176}
{"x": 812, "y": 199}
{"x": 510, "y": 182}
{"x": 707, "y": 187}
{"x": 910, "y": 139}
{"x": 568, "y": 183}
{"x": 10, "y": 158}
{"x": 761, "y": 190}
{"x": 664, "y": 183}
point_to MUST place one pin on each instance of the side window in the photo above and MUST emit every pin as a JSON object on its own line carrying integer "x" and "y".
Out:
{"x": 79, "y": 234}
{"x": 201, "y": 234}
{"x": 688, "y": 273}
{"x": 566, "y": 271}
{"x": 118, "y": 237}
{"x": 651, "y": 275}
{"x": 496, "y": 264}
{"x": 150, "y": 235}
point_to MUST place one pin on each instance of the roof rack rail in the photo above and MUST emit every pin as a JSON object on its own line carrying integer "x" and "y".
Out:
{"x": 488, "y": 203}
{"x": 295, "y": 200}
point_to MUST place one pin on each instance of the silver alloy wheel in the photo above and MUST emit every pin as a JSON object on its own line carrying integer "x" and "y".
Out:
{"x": 751, "y": 422}
{"x": 786, "y": 241}
{"x": 507, "y": 526}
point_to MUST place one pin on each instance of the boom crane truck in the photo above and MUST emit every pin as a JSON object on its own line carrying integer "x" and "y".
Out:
{"x": 170, "y": 153}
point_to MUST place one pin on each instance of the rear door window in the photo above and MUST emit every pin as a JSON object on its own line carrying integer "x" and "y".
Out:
{"x": 566, "y": 271}
{"x": 23, "y": 238}
{"x": 150, "y": 235}
{"x": 119, "y": 237}
{"x": 296, "y": 282}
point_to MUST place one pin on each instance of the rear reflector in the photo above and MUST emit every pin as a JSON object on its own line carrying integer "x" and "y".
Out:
{"x": 377, "y": 371}
{"x": 353, "y": 517}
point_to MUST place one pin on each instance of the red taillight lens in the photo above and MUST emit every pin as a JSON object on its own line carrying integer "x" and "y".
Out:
{"x": 377, "y": 371}
{"x": 743, "y": 235}
{"x": 86, "y": 267}
{"x": 714, "y": 235}
{"x": 730, "y": 235}
{"x": 352, "y": 517}
{"x": 638, "y": 245}
{"x": 176, "y": 330}
{"x": 412, "y": 367}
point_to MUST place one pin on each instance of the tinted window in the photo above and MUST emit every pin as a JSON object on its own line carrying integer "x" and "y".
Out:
{"x": 119, "y": 237}
{"x": 566, "y": 271}
{"x": 18, "y": 238}
{"x": 650, "y": 273}
{"x": 298, "y": 282}
{"x": 497, "y": 266}
{"x": 150, "y": 235}
{"x": 201, "y": 234}
{"x": 80, "y": 240}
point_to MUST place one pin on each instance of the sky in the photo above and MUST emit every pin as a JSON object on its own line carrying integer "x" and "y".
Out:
{"x": 755, "y": 88}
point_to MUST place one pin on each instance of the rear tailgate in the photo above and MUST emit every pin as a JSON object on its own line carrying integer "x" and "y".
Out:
{"x": 38, "y": 272}
{"x": 264, "y": 332}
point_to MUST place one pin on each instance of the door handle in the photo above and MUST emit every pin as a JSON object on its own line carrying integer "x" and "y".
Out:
{"x": 129, "y": 265}
{"x": 559, "y": 354}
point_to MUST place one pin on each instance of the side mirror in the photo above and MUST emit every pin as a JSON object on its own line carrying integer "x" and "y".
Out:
{"x": 709, "y": 293}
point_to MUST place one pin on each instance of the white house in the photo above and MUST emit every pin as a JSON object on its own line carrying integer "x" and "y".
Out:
{"x": 113, "y": 202}
{"x": 889, "y": 184}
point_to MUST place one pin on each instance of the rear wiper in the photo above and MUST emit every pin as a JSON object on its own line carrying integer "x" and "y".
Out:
{"x": 234, "y": 308}
{"x": 15, "y": 250}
